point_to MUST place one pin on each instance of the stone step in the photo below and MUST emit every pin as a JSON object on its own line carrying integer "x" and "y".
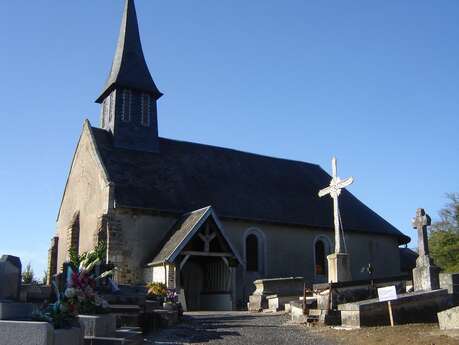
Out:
{"x": 124, "y": 336}
{"x": 125, "y": 308}
{"x": 127, "y": 315}
{"x": 315, "y": 312}
{"x": 312, "y": 319}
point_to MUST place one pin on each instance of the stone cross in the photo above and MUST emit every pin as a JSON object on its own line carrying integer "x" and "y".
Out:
{"x": 334, "y": 189}
{"x": 421, "y": 222}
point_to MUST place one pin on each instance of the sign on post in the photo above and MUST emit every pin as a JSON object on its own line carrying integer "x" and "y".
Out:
{"x": 388, "y": 293}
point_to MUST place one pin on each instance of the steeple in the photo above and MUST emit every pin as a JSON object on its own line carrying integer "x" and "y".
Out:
{"x": 130, "y": 94}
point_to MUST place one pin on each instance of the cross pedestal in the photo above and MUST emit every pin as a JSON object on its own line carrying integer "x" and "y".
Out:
{"x": 339, "y": 267}
{"x": 425, "y": 274}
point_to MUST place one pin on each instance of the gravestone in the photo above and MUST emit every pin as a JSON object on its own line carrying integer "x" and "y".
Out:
{"x": 10, "y": 287}
{"x": 10, "y": 278}
{"x": 425, "y": 274}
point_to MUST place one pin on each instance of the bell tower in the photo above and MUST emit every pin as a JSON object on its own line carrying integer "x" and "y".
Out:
{"x": 129, "y": 110}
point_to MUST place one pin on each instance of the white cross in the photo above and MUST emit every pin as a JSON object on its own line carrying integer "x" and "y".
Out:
{"x": 334, "y": 189}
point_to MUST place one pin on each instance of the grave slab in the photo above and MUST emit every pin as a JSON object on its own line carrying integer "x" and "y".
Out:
{"x": 421, "y": 306}
{"x": 449, "y": 319}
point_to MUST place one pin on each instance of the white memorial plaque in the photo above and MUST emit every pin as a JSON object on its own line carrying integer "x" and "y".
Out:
{"x": 387, "y": 293}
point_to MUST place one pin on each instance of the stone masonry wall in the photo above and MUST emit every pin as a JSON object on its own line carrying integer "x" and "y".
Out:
{"x": 52, "y": 260}
{"x": 87, "y": 194}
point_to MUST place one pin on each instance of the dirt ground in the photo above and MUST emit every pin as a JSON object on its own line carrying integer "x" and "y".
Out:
{"x": 418, "y": 334}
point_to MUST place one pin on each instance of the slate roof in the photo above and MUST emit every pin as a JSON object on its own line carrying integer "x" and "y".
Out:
{"x": 183, "y": 230}
{"x": 129, "y": 68}
{"x": 179, "y": 232}
{"x": 407, "y": 259}
{"x": 186, "y": 176}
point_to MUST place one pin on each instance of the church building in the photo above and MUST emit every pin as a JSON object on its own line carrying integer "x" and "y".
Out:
{"x": 205, "y": 220}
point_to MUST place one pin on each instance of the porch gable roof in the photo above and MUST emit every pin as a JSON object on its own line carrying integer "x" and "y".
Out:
{"x": 184, "y": 230}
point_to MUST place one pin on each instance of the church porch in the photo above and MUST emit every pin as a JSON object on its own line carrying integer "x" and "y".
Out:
{"x": 199, "y": 262}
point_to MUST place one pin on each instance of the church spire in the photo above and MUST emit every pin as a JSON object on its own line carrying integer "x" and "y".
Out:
{"x": 129, "y": 110}
{"x": 129, "y": 69}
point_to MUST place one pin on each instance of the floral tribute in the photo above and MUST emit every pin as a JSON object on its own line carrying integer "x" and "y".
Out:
{"x": 79, "y": 296}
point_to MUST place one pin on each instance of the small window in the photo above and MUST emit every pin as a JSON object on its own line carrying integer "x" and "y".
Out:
{"x": 251, "y": 248}
{"x": 126, "y": 106}
{"x": 320, "y": 258}
{"x": 145, "y": 110}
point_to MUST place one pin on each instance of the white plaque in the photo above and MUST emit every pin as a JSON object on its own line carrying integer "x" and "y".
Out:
{"x": 387, "y": 293}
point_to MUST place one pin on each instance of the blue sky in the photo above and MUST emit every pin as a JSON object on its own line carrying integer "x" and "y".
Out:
{"x": 374, "y": 83}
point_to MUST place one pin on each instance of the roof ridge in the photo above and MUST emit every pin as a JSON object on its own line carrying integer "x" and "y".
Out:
{"x": 239, "y": 151}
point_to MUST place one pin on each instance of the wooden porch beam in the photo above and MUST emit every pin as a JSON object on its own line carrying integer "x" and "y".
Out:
{"x": 184, "y": 260}
{"x": 196, "y": 253}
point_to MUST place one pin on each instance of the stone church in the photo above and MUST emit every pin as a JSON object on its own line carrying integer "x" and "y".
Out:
{"x": 203, "y": 219}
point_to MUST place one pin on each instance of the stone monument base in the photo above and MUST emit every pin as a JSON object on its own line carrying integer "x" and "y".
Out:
{"x": 339, "y": 267}
{"x": 426, "y": 274}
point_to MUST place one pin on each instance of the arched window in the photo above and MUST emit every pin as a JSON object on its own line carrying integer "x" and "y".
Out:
{"x": 251, "y": 253}
{"x": 320, "y": 258}
{"x": 321, "y": 250}
{"x": 145, "y": 110}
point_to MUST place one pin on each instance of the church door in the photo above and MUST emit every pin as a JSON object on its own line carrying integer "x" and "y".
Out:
{"x": 192, "y": 278}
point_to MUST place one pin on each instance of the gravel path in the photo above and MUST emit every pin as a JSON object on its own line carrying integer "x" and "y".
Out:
{"x": 236, "y": 328}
